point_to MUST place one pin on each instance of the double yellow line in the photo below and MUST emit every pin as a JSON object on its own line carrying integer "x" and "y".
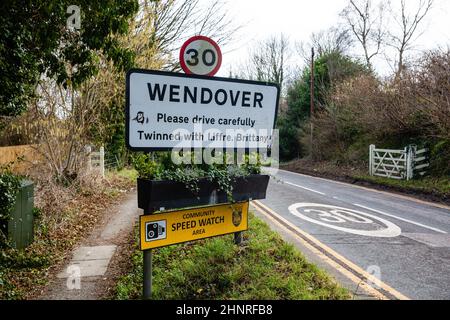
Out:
{"x": 356, "y": 274}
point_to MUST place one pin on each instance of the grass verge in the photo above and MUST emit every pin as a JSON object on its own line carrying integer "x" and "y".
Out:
{"x": 126, "y": 175}
{"x": 428, "y": 184}
{"x": 265, "y": 267}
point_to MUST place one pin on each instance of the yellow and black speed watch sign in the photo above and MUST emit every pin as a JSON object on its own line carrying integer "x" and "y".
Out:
{"x": 163, "y": 229}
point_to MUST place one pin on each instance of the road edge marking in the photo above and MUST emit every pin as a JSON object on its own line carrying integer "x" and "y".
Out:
{"x": 304, "y": 188}
{"x": 401, "y": 219}
{"x": 343, "y": 265}
{"x": 353, "y": 278}
{"x": 395, "y": 195}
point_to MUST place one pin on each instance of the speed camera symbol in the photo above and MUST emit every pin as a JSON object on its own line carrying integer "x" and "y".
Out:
{"x": 155, "y": 230}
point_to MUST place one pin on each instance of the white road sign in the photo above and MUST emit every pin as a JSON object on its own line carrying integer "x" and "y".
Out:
{"x": 172, "y": 110}
{"x": 200, "y": 55}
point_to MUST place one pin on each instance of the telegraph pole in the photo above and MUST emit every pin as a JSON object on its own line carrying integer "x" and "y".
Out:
{"x": 311, "y": 111}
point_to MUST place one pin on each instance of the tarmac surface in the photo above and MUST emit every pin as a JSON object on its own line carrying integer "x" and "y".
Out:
{"x": 401, "y": 241}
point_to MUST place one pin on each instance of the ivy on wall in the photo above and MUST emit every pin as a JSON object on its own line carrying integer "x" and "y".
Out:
{"x": 9, "y": 187}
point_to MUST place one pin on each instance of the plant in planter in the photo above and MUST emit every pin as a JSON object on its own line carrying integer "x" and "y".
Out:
{"x": 162, "y": 183}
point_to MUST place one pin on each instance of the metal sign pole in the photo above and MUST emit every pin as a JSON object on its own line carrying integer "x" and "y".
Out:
{"x": 147, "y": 285}
{"x": 147, "y": 277}
{"x": 238, "y": 237}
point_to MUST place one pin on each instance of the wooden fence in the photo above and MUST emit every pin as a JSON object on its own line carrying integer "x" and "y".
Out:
{"x": 27, "y": 155}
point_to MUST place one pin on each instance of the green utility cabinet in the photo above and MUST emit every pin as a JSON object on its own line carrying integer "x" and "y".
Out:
{"x": 20, "y": 224}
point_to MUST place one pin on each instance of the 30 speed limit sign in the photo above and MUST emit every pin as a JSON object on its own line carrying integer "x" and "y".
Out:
{"x": 200, "y": 55}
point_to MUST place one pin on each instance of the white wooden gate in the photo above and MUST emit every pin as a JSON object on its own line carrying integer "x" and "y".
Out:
{"x": 420, "y": 162}
{"x": 397, "y": 164}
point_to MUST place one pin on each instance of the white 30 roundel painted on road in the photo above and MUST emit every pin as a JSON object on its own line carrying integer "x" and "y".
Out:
{"x": 331, "y": 216}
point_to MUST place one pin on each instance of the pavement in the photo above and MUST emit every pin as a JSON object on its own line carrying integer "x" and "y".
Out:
{"x": 402, "y": 242}
{"x": 93, "y": 264}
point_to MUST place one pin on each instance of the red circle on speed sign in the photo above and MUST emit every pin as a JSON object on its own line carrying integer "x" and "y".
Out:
{"x": 200, "y": 55}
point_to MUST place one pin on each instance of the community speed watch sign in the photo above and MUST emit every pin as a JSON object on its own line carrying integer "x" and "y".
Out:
{"x": 166, "y": 110}
{"x": 158, "y": 230}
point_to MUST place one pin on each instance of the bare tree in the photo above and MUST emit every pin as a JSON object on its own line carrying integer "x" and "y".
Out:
{"x": 170, "y": 22}
{"x": 366, "y": 24}
{"x": 333, "y": 40}
{"x": 268, "y": 60}
{"x": 408, "y": 23}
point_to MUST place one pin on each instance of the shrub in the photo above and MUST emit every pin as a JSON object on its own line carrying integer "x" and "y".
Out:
{"x": 9, "y": 186}
{"x": 413, "y": 109}
{"x": 440, "y": 158}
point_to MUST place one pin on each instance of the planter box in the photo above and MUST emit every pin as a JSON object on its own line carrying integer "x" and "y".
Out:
{"x": 154, "y": 194}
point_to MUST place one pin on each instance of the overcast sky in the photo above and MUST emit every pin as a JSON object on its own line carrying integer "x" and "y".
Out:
{"x": 298, "y": 19}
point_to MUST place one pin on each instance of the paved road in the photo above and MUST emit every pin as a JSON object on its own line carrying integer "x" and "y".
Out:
{"x": 406, "y": 242}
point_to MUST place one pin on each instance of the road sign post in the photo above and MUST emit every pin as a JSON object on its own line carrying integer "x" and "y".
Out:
{"x": 173, "y": 227}
{"x": 196, "y": 111}
{"x": 238, "y": 237}
{"x": 147, "y": 276}
{"x": 147, "y": 285}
